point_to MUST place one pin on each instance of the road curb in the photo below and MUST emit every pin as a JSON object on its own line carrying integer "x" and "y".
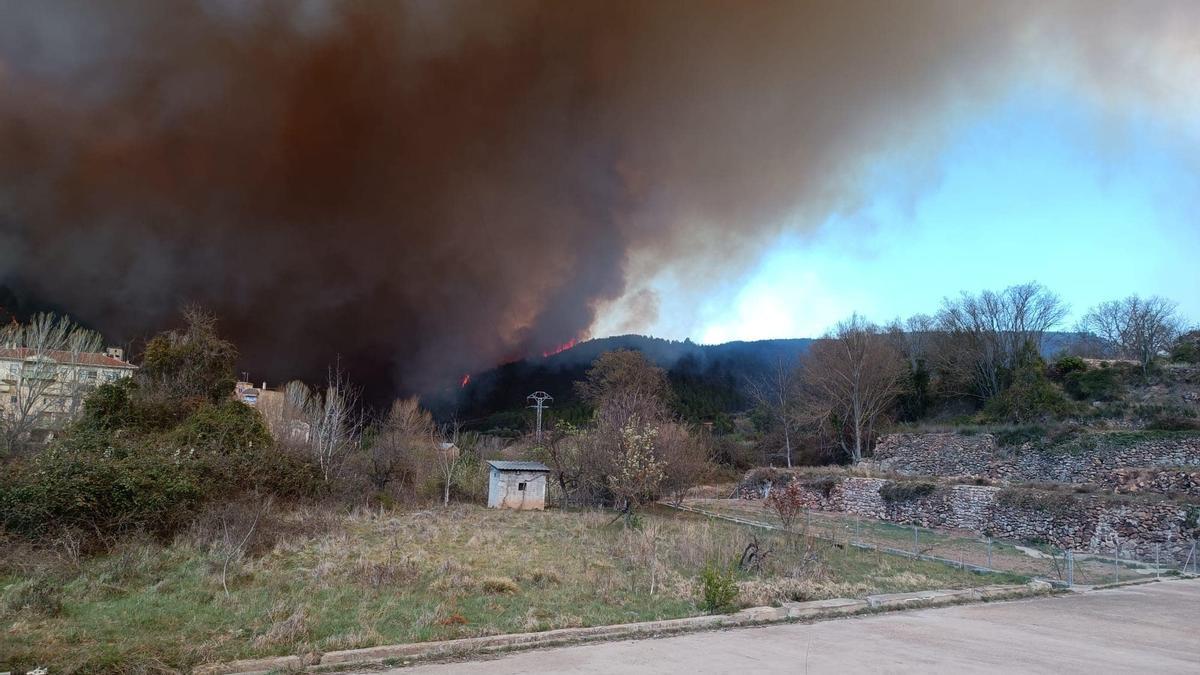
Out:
{"x": 788, "y": 612}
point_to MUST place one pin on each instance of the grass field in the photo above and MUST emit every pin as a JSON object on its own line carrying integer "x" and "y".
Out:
{"x": 315, "y": 581}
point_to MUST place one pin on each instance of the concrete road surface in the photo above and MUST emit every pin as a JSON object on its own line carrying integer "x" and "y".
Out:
{"x": 1153, "y": 628}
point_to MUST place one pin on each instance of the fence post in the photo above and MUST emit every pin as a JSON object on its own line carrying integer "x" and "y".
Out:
{"x": 1070, "y": 568}
{"x": 916, "y": 549}
{"x": 989, "y": 549}
{"x": 858, "y": 527}
{"x": 1116, "y": 565}
{"x": 1156, "y": 568}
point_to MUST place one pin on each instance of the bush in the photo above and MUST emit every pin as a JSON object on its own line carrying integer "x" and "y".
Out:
{"x": 1168, "y": 417}
{"x": 718, "y": 589}
{"x": 1101, "y": 384}
{"x": 1067, "y": 365}
{"x": 100, "y": 486}
{"x": 108, "y": 482}
{"x": 904, "y": 491}
{"x": 1187, "y": 348}
{"x": 1031, "y": 397}
{"x": 235, "y": 453}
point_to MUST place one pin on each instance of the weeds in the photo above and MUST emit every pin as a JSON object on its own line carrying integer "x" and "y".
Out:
{"x": 718, "y": 588}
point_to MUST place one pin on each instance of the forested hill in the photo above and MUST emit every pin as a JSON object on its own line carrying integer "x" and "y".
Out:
{"x": 708, "y": 379}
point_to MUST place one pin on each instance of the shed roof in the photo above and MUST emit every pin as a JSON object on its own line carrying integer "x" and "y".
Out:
{"x": 501, "y": 465}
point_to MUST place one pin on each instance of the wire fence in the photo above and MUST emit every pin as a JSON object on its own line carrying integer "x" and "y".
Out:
{"x": 971, "y": 551}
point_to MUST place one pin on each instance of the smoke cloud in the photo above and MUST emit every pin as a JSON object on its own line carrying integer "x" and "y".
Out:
{"x": 427, "y": 188}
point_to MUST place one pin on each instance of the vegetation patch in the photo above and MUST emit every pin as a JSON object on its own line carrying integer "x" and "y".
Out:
{"x": 372, "y": 577}
{"x": 1058, "y": 503}
{"x": 906, "y": 491}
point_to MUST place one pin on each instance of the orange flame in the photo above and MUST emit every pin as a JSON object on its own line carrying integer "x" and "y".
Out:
{"x": 560, "y": 349}
{"x": 466, "y": 379}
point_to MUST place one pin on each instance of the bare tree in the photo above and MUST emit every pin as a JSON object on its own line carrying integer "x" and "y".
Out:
{"x": 47, "y": 386}
{"x": 853, "y": 375}
{"x": 985, "y": 335}
{"x": 686, "y": 456}
{"x": 334, "y": 420}
{"x": 1141, "y": 328}
{"x": 915, "y": 337}
{"x": 448, "y": 460}
{"x": 777, "y": 394}
{"x": 399, "y": 443}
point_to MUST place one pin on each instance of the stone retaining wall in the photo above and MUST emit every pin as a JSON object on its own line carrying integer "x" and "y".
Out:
{"x": 1063, "y": 519}
{"x": 1092, "y": 458}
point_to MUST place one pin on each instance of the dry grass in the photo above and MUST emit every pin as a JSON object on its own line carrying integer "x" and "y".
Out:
{"x": 363, "y": 578}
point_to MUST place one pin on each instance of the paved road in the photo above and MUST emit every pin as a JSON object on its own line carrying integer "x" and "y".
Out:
{"x": 1154, "y": 628}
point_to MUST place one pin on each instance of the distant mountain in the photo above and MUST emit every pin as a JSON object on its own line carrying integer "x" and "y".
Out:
{"x": 709, "y": 380}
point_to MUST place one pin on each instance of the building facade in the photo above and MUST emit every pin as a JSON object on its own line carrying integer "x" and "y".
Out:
{"x": 41, "y": 390}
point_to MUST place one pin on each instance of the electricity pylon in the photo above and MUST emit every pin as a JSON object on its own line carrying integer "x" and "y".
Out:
{"x": 539, "y": 399}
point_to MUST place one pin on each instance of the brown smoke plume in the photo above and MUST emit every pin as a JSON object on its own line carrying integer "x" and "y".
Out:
{"x": 427, "y": 188}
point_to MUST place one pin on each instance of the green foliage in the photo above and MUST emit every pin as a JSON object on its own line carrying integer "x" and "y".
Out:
{"x": 1101, "y": 384}
{"x": 1030, "y": 397}
{"x": 1187, "y": 348}
{"x": 918, "y": 396}
{"x": 105, "y": 481}
{"x": 718, "y": 588}
{"x": 194, "y": 363}
{"x": 99, "y": 484}
{"x": 1168, "y": 417}
{"x": 1068, "y": 364}
{"x": 234, "y": 450}
{"x": 906, "y": 491}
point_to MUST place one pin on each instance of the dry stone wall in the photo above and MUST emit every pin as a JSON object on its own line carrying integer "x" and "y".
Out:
{"x": 1066, "y": 520}
{"x": 1096, "y": 458}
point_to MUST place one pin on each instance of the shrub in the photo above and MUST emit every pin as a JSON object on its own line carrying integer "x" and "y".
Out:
{"x": 1168, "y": 417}
{"x": 1031, "y": 397}
{"x": 718, "y": 589}
{"x": 787, "y": 503}
{"x": 904, "y": 491}
{"x": 1101, "y": 384}
{"x": 97, "y": 485}
{"x": 107, "y": 482}
{"x": 1067, "y": 365}
{"x": 1187, "y": 348}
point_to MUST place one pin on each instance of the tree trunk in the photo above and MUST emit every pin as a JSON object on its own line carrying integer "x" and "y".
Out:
{"x": 787, "y": 444}
{"x": 446, "y": 494}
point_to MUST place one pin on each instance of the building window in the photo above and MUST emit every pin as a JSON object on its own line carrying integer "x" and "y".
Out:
{"x": 521, "y": 486}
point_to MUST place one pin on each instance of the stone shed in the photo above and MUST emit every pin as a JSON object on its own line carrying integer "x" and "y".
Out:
{"x": 517, "y": 485}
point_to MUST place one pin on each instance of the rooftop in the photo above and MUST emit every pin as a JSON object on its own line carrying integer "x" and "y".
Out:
{"x": 83, "y": 359}
{"x": 502, "y": 465}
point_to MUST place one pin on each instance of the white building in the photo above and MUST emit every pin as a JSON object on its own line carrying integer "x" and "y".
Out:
{"x": 517, "y": 485}
{"x": 41, "y": 390}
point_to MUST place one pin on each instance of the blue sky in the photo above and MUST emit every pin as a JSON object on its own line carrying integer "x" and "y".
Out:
{"x": 1040, "y": 188}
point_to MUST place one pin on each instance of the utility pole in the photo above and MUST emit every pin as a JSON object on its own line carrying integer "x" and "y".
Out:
{"x": 539, "y": 399}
